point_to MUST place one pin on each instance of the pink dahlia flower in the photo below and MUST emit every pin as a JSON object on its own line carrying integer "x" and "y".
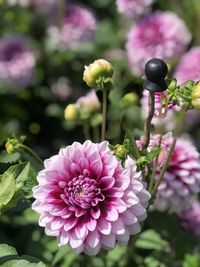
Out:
{"x": 190, "y": 218}
{"x": 188, "y": 67}
{"x": 159, "y": 118}
{"x": 156, "y": 36}
{"x": 17, "y": 62}
{"x": 78, "y": 26}
{"x": 88, "y": 200}
{"x": 182, "y": 177}
{"x": 134, "y": 8}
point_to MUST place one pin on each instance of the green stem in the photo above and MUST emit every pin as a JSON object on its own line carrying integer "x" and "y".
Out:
{"x": 152, "y": 179}
{"x": 104, "y": 115}
{"x": 31, "y": 152}
{"x": 86, "y": 129}
{"x": 95, "y": 131}
{"x": 149, "y": 118}
{"x": 164, "y": 168}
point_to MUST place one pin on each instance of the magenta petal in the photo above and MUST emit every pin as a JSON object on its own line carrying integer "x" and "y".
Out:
{"x": 91, "y": 224}
{"x": 75, "y": 241}
{"x": 106, "y": 182}
{"x": 81, "y": 231}
{"x": 118, "y": 227}
{"x": 104, "y": 226}
{"x": 57, "y": 223}
{"x": 95, "y": 212}
{"x": 70, "y": 223}
{"x": 80, "y": 212}
{"x": 93, "y": 239}
{"x": 63, "y": 238}
{"x": 111, "y": 214}
{"x": 108, "y": 241}
{"x": 66, "y": 213}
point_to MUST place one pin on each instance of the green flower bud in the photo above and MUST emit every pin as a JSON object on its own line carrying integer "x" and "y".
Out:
{"x": 129, "y": 100}
{"x": 196, "y": 96}
{"x": 141, "y": 162}
{"x": 97, "y": 74}
{"x": 10, "y": 147}
{"x": 71, "y": 112}
{"x": 120, "y": 152}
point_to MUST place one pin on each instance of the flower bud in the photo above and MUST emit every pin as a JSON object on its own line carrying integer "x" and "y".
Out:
{"x": 129, "y": 100}
{"x": 11, "y": 145}
{"x": 120, "y": 152}
{"x": 71, "y": 112}
{"x": 97, "y": 74}
{"x": 10, "y": 148}
{"x": 196, "y": 96}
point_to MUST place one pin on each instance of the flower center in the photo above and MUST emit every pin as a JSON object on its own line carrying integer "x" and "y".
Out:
{"x": 82, "y": 191}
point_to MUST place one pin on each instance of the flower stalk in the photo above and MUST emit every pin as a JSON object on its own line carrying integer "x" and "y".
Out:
{"x": 147, "y": 125}
{"x": 104, "y": 115}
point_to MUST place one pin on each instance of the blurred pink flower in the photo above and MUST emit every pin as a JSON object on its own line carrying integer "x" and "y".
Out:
{"x": 162, "y": 34}
{"x": 158, "y": 118}
{"x": 89, "y": 102}
{"x": 188, "y": 67}
{"x": 61, "y": 89}
{"x": 41, "y": 6}
{"x": 78, "y": 25}
{"x": 182, "y": 178}
{"x": 17, "y": 62}
{"x": 134, "y": 8}
{"x": 23, "y": 3}
{"x": 88, "y": 200}
{"x": 190, "y": 218}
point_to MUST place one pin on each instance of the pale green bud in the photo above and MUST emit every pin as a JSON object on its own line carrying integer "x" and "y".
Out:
{"x": 71, "y": 112}
{"x": 129, "y": 100}
{"x": 196, "y": 96}
{"x": 97, "y": 72}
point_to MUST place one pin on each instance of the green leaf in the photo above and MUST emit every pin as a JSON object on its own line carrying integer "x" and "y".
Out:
{"x": 6, "y": 250}
{"x": 191, "y": 260}
{"x": 153, "y": 154}
{"x": 7, "y": 188}
{"x": 9, "y": 158}
{"x": 22, "y": 263}
{"x": 27, "y": 176}
{"x": 151, "y": 239}
{"x": 133, "y": 149}
{"x": 61, "y": 253}
{"x": 116, "y": 256}
{"x": 15, "y": 183}
{"x": 153, "y": 262}
{"x": 10, "y": 258}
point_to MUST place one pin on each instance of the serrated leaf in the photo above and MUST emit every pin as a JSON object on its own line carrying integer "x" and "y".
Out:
{"x": 153, "y": 154}
{"x": 9, "y": 158}
{"x": 151, "y": 239}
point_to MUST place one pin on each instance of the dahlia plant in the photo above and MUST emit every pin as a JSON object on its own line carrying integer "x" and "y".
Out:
{"x": 96, "y": 194}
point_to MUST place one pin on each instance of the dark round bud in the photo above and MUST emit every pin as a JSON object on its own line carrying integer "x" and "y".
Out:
{"x": 156, "y": 70}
